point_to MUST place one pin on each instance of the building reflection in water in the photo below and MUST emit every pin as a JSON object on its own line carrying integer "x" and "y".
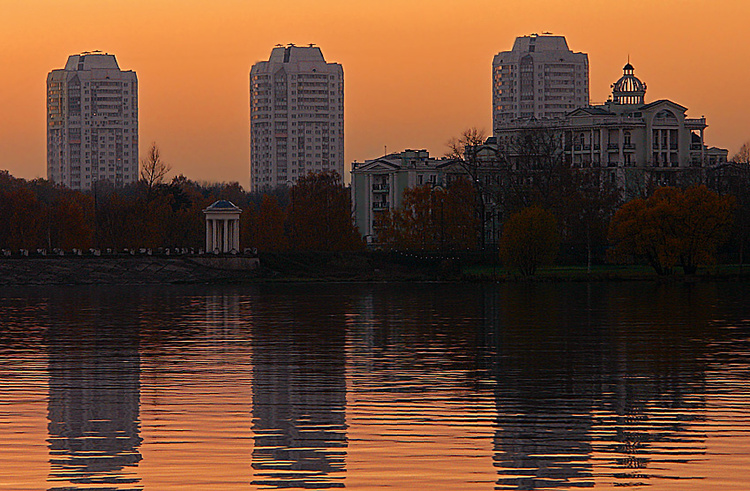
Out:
{"x": 585, "y": 398}
{"x": 299, "y": 391}
{"x": 94, "y": 395}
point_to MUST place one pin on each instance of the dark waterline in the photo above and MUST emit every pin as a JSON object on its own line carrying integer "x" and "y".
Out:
{"x": 408, "y": 386}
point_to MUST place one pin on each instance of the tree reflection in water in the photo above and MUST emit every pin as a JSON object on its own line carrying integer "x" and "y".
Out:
{"x": 593, "y": 383}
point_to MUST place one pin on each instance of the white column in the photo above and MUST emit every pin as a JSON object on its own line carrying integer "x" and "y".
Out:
{"x": 237, "y": 234}
{"x": 369, "y": 230}
{"x": 215, "y": 244}
{"x": 225, "y": 238}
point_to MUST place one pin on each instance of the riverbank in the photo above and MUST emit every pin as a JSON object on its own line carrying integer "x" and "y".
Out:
{"x": 126, "y": 269}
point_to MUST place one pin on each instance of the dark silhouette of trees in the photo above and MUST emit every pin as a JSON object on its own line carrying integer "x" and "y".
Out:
{"x": 465, "y": 150}
{"x": 529, "y": 240}
{"x": 267, "y": 228}
{"x": 585, "y": 203}
{"x": 319, "y": 215}
{"x": 672, "y": 227}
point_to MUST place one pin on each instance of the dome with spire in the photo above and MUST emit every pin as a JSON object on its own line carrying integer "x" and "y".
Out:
{"x": 628, "y": 89}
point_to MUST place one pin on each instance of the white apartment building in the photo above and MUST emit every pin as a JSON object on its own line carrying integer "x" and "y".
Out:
{"x": 540, "y": 78}
{"x": 296, "y": 116}
{"x": 92, "y": 122}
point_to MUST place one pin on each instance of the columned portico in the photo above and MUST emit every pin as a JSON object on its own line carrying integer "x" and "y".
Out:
{"x": 222, "y": 227}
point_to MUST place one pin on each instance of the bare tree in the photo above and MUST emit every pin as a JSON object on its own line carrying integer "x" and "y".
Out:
{"x": 153, "y": 168}
{"x": 743, "y": 154}
{"x": 464, "y": 150}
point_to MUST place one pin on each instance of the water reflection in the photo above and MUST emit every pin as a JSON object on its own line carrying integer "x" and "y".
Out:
{"x": 597, "y": 384}
{"x": 436, "y": 387}
{"x": 299, "y": 392}
{"x": 94, "y": 395}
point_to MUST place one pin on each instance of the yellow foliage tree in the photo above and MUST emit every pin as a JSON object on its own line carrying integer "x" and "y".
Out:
{"x": 672, "y": 227}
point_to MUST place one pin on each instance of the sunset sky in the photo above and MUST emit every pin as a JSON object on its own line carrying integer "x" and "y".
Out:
{"x": 416, "y": 71}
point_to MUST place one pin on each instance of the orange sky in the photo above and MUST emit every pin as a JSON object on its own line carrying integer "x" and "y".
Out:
{"x": 416, "y": 71}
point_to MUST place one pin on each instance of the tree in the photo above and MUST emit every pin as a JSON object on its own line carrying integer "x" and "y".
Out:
{"x": 465, "y": 150}
{"x": 267, "y": 228}
{"x": 432, "y": 219}
{"x": 529, "y": 240}
{"x": 585, "y": 204}
{"x": 320, "y": 217}
{"x": 153, "y": 168}
{"x": 536, "y": 169}
{"x": 672, "y": 227}
{"x": 743, "y": 154}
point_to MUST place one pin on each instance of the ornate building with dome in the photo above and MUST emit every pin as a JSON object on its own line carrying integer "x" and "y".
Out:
{"x": 631, "y": 139}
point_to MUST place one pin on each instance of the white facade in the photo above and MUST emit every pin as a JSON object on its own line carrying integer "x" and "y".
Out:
{"x": 378, "y": 185}
{"x": 296, "y": 117}
{"x": 627, "y": 138}
{"x": 222, "y": 227}
{"x": 92, "y": 122}
{"x": 540, "y": 77}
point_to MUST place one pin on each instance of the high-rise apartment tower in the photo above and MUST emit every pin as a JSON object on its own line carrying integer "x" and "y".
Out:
{"x": 92, "y": 122}
{"x": 296, "y": 117}
{"x": 540, "y": 77}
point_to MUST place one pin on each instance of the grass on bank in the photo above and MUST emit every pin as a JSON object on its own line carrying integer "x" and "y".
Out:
{"x": 601, "y": 272}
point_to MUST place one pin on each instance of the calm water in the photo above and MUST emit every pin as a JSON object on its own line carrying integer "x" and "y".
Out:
{"x": 368, "y": 387}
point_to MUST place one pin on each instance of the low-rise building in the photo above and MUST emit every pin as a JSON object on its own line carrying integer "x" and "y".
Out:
{"x": 378, "y": 185}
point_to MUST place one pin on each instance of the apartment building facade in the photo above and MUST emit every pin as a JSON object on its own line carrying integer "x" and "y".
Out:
{"x": 539, "y": 77}
{"x": 92, "y": 122}
{"x": 296, "y": 116}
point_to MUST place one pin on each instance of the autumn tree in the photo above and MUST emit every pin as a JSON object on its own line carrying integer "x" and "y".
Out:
{"x": 72, "y": 221}
{"x": 319, "y": 214}
{"x": 267, "y": 227}
{"x": 529, "y": 240}
{"x": 672, "y": 227}
{"x": 431, "y": 219}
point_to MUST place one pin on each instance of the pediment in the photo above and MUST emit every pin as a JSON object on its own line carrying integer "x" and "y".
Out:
{"x": 377, "y": 165}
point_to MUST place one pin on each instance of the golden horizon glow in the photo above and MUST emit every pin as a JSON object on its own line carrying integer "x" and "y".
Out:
{"x": 417, "y": 72}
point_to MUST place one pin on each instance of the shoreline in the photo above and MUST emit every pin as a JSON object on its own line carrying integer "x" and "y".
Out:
{"x": 126, "y": 269}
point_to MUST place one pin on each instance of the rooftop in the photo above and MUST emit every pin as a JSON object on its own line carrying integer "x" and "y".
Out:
{"x": 92, "y": 60}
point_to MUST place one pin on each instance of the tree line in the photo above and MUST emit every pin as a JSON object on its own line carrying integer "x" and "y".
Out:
{"x": 312, "y": 215}
{"x": 526, "y": 202}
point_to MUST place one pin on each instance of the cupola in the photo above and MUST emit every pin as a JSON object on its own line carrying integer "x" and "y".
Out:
{"x": 628, "y": 89}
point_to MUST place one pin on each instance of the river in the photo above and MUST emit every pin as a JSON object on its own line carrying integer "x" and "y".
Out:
{"x": 389, "y": 386}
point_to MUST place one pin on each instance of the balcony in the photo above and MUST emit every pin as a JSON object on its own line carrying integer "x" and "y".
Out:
{"x": 613, "y": 147}
{"x": 380, "y": 188}
{"x": 629, "y": 146}
{"x": 380, "y": 206}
